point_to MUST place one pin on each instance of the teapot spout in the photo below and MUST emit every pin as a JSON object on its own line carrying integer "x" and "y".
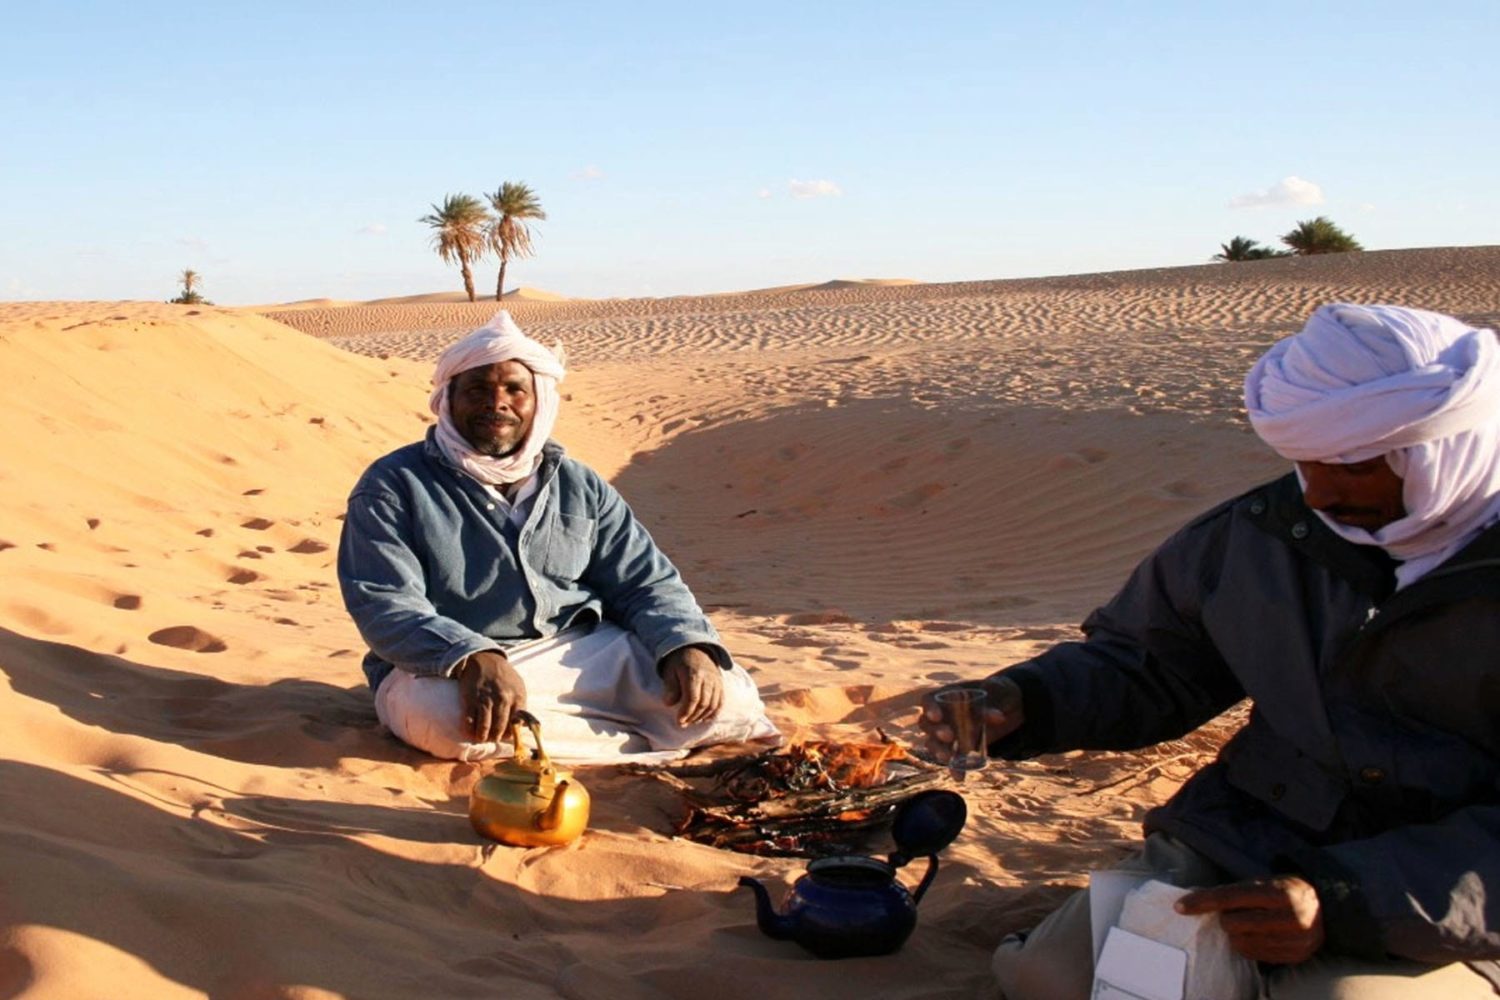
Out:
{"x": 771, "y": 923}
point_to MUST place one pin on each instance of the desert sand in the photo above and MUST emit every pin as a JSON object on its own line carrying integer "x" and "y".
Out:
{"x": 874, "y": 487}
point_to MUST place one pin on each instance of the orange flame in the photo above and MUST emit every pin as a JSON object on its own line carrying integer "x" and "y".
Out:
{"x": 852, "y": 765}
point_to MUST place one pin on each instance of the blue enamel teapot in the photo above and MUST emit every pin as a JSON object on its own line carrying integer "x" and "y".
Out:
{"x": 855, "y": 905}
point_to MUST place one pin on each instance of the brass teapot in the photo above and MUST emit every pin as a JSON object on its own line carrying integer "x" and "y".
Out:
{"x": 526, "y": 801}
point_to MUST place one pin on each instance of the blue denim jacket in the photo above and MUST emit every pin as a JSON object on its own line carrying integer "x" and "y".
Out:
{"x": 432, "y": 573}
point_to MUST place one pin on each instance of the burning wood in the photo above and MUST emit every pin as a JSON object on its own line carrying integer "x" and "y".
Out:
{"x": 807, "y": 799}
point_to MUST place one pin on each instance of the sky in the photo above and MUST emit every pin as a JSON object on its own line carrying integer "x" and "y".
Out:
{"x": 287, "y": 151}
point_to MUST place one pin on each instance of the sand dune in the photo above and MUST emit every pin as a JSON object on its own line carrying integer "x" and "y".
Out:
{"x": 874, "y": 487}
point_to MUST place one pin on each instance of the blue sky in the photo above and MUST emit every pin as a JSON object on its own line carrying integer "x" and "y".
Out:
{"x": 287, "y": 150}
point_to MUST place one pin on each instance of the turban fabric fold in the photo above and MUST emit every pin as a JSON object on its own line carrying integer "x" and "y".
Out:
{"x": 498, "y": 340}
{"x": 1420, "y": 388}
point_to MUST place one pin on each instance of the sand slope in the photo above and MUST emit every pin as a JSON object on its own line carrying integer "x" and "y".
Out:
{"x": 873, "y": 488}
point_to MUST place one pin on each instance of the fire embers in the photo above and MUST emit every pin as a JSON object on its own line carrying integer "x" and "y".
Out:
{"x": 805, "y": 800}
{"x": 802, "y": 767}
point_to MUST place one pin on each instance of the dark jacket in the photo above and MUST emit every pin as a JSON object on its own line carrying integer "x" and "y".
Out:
{"x": 1371, "y": 761}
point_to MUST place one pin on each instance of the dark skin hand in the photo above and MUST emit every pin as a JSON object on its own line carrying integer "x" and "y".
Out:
{"x": 1276, "y": 919}
{"x": 1003, "y": 715}
{"x": 491, "y": 692}
{"x": 694, "y": 683}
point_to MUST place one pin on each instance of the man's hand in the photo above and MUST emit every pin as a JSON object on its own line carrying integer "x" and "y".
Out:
{"x": 1276, "y": 920}
{"x": 1003, "y": 715}
{"x": 694, "y": 683}
{"x": 491, "y": 692}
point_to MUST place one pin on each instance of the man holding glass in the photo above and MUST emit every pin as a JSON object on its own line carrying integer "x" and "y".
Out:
{"x": 1348, "y": 837}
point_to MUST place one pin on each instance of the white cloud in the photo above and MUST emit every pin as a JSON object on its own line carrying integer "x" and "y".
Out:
{"x": 194, "y": 242}
{"x": 1367, "y": 207}
{"x": 763, "y": 193}
{"x": 588, "y": 173}
{"x": 15, "y": 288}
{"x": 374, "y": 229}
{"x": 813, "y": 189}
{"x": 1287, "y": 191}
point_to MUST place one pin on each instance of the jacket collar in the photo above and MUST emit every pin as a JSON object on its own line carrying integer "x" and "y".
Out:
{"x": 1279, "y": 509}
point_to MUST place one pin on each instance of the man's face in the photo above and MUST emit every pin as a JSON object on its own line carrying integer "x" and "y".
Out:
{"x": 1359, "y": 495}
{"x": 492, "y": 406}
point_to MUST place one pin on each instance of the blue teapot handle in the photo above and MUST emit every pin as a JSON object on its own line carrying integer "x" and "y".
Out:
{"x": 927, "y": 877}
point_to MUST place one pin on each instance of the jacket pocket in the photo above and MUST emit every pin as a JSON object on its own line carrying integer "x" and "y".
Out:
{"x": 569, "y": 546}
{"x": 1287, "y": 780}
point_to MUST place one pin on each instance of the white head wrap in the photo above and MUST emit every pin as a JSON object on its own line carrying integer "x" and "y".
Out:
{"x": 1420, "y": 388}
{"x": 498, "y": 340}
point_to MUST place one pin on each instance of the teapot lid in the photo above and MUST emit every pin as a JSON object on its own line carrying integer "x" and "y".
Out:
{"x": 926, "y": 823}
{"x": 528, "y": 771}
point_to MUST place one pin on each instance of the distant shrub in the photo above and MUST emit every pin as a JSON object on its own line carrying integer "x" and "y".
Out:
{"x": 1319, "y": 235}
{"x": 1244, "y": 248}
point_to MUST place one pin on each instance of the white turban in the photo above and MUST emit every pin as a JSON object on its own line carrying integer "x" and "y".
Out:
{"x": 1420, "y": 388}
{"x": 498, "y": 340}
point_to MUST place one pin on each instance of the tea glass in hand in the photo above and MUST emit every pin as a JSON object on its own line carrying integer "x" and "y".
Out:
{"x": 964, "y": 710}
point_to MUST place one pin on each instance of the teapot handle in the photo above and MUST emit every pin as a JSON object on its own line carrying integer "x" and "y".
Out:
{"x": 523, "y": 717}
{"x": 927, "y": 877}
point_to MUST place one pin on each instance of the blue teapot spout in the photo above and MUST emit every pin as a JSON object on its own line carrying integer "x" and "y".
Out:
{"x": 772, "y": 924}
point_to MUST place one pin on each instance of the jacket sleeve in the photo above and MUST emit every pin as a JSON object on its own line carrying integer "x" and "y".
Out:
{"x": 382, "y": 581}
{"x": 1427, "y": 892}
{"x": 638, "y": 585}
{"x": 1146, "y": 671}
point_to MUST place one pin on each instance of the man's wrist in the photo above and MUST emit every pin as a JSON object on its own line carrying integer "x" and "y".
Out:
{"x": 707, "y": 649}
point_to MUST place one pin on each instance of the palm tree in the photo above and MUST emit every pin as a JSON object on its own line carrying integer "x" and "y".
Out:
{"x": 459, "y": 236}
{"x": 1319, "y": 235}
{"x": 189, "y": 296}
{"x": 1244, "y": 248}
{"x": 508, "y": 233}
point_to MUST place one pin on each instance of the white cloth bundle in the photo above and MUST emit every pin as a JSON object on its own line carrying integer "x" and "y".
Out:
{"x": 498, "y": 340}
{"x": 1215, "y": 971}
{"x": 1420, "y": 388}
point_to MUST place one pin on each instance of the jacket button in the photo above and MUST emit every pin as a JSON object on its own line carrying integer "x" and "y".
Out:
{"x": 1257, "y": 506}
{"x": 1371, "y": 775}
{"x": 489, "y": 506}
{"x": 1278, "y": 790}
{"x": 1299, "y": 530}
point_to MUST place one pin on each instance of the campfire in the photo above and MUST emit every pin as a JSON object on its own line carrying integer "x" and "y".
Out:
{"x": 809, "y": 799}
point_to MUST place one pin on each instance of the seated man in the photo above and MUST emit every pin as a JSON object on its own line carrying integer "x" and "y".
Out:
{"x": 1349, "y": 835}
{"x": 490, "y": 573}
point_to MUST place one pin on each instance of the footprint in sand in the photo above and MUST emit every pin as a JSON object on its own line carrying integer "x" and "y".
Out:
{"x": 188, "y": 637}
{"x": 205, "y": 532}
{"x": 308, "y": 546}
{"x": 128, "y": 602}
{"x": 6, "y": 545}
{"x": 797, "y": 641}
{"x": 1180, "y": 489}
{"x": 817, "y": 618}
{"x": 257, "y": 524}
{"x": 243, "y": 576}
{"x": 93, "y": 523}
{"x": 253, "y": 493}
